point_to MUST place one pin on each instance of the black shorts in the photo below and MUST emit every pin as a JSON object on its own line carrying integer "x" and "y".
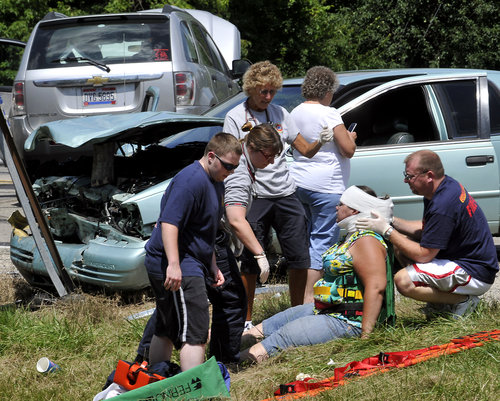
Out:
{"x": 183, "y": 315}
{"x": 288, "y": 218}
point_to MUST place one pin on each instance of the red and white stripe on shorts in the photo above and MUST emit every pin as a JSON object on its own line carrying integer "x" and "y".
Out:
{"x": 446, "y": 276}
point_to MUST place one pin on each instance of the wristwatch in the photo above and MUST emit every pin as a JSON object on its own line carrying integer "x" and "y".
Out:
{"x": 388, "y": 232}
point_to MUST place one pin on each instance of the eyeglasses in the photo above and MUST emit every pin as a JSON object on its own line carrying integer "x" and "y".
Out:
{"x": 265, "y": 92}
{"x": 226, "y": 165}
{"x": 409, "y": 177}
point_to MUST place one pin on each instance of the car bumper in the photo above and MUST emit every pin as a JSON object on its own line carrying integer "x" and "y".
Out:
{"x": 115, "y": 265}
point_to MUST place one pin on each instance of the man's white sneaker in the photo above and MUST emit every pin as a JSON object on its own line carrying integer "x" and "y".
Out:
{"x": 466, "y": 307}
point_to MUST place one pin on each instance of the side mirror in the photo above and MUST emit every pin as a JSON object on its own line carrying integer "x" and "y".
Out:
{"x": 239, "y": 67}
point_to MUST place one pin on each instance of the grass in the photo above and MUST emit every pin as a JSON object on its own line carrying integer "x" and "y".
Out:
{"x": 88, "y": 334}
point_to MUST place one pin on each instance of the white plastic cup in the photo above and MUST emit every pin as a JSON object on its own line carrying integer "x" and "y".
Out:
{"x": 45, "y": 365}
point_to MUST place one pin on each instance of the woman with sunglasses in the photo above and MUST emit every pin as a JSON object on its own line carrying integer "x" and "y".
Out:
{"x": 229, "y": 301}
{"x": 259, "y": 147}
{"x": 275, "y": 204}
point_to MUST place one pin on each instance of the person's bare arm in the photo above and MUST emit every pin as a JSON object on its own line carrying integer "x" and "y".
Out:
{"x": 345, "y": 140}
{"x": 217, "y": 275}
{"x": 170, "y": 239}
{"x": 305, "y": 148}
{"x": 236, "y": 216}
{"x": 369, "y": 260}
{"x": 412, "y": 249}
{"x": 411, "y": 228}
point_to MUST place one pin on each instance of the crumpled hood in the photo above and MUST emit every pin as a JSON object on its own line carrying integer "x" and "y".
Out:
{"x": 140, "y": 128}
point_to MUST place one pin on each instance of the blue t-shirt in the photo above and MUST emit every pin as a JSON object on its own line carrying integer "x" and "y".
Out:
{"x": 454, "y": 223}
{"x": 193, "y": 202}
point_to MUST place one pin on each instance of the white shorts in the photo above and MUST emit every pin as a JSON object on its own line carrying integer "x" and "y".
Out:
{"x": 446, "y": 276}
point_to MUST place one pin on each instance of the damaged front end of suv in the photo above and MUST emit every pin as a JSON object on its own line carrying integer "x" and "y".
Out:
{"x": 101, "y": 209}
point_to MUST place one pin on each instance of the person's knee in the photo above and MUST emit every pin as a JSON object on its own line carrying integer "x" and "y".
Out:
{"x": 403, "y": 282}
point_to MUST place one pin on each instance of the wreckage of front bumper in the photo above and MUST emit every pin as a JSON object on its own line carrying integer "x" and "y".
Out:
{"x": 111, "y": 264}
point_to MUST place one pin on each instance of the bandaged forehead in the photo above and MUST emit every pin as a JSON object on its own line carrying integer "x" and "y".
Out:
{"x": 359, "y": 200}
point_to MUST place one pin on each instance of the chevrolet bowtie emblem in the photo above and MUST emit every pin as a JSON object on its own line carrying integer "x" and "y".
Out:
{"x": 97, "y": 80}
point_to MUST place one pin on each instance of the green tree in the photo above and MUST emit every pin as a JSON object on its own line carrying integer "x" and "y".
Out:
{"x": 342, "y": 34}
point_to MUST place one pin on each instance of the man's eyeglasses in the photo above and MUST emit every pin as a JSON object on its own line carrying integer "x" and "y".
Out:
{"x": 265, "y": 92}
{"x": 409, "y": 177}
{"x": 226, "y": 165}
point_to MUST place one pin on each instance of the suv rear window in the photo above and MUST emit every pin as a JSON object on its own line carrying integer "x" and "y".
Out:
{"x": 62, "y": 43}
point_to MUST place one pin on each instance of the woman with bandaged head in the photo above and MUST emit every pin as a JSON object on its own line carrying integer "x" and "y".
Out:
{"x": 348, "y": 300}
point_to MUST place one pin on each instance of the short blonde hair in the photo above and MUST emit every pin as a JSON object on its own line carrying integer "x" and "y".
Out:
{"x": 261, "y": 74}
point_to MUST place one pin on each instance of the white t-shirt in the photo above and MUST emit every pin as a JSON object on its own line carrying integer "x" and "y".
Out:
{"x": 273, "y": 181}
{"x": 328, "y": 171}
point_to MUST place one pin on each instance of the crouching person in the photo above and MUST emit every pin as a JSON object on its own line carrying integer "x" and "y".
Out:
{"x": 349, "y": 299}
{"x": 449, "y": 255}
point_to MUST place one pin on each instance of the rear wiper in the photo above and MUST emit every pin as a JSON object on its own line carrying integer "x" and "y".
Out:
{"x": 102, "y": 66}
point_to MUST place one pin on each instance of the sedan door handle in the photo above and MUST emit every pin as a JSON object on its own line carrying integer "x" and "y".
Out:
{"x": 479, "y": 160}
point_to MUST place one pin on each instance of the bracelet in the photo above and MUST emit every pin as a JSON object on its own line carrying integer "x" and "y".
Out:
{"x": 260, "y": 255}
{"x": 388, "y": 232}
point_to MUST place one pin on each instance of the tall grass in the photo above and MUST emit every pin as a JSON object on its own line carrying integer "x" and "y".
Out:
{"x": 87, "y": 335}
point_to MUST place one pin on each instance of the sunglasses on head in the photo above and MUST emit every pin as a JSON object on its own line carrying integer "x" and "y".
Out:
{"x": 226, "y": 165}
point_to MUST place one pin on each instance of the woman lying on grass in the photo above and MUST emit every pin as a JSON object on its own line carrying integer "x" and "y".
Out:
{"x": 347, "y": 300}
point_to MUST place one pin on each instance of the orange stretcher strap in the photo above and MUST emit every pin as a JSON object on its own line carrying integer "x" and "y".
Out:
{"x": 379, "y": 364}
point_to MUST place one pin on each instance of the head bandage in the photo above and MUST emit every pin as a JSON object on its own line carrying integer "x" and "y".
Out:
{"x": 364, "y": 203}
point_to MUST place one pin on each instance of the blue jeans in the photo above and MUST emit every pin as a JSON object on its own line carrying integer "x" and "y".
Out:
{"x": 299, "y": 325}
{"x": 321, "y": 211}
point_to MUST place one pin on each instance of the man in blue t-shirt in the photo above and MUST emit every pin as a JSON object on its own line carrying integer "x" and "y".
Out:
{"x": 450, "y": 256}
{"x": 180, "y": 253}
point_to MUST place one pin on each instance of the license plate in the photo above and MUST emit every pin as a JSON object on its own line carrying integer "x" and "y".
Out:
{"x": 98, "y": 96}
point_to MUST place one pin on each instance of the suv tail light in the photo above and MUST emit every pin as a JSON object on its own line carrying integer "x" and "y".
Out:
{"x": 184, "y": 88}
{"x": 18, "y": 98}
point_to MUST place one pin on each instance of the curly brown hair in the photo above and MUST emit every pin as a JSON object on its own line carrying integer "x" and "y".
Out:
{"x": 318, "y": 82}
{"x": 260, "y": 74}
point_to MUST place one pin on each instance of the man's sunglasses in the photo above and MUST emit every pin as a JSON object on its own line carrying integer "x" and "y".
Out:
{"x": 226, "y": 165}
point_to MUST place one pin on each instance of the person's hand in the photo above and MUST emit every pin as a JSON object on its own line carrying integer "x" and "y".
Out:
{"x": 376, "y": 223}
{"x": 173, "y": 277}
{"x": 326, "y": 135}
{"x": 218, "y": 278}
{"x": 264, "y": 267}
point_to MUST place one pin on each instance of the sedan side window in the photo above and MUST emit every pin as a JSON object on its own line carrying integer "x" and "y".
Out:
{"x": 494, "y": 102}
{"x": 399, "y": 116}
{"x": 459, "y": 107}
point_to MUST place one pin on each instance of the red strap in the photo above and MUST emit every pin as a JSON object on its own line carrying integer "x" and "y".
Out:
{"x": 381, "y": 363}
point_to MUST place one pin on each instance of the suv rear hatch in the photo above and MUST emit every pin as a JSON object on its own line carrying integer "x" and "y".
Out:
{"x": 94, "y": 65}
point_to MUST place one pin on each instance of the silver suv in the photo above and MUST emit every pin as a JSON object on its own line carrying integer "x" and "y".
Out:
{"x": 162, "y": 59}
